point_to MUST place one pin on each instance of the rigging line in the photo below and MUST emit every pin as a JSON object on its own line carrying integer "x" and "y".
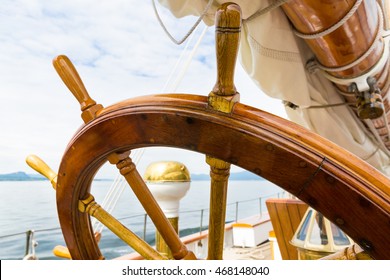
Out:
{"x": 179, "y": 42}
{"x": 138, "y": 156}
{"x": 109, "y": 197}
{"x": 114, "y": 201}
{"x": 294, "y": 106}
{"x": 115, "y": 192}
{"x": 174, "y": 69}
{"x": 119, "y": 187}
{"x": 188, "y": 61}
{"x": 111, "y": 204}
{"x": 376, "y": 137}
{"x": 326, "y": 106}
{"x": 107, "y": 200}
{"x": 139, "y": 152}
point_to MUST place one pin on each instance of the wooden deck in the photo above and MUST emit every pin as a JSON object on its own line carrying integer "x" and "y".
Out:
{"x": 260, "y": 252}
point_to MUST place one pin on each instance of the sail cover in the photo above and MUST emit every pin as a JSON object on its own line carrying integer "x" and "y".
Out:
{"x": 275, "y": 58}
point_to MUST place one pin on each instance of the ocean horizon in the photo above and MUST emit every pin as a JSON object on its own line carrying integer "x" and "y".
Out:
{"x": 31, "y": 205}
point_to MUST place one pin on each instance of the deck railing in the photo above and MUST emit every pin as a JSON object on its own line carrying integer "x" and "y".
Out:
{"x": 146, "y": 230}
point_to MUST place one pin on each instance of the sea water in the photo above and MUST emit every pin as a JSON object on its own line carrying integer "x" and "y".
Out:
{"x": 31, "y": 205}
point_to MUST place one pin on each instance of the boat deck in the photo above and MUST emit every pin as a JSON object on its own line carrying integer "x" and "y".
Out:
{"x": 260, "y": 252}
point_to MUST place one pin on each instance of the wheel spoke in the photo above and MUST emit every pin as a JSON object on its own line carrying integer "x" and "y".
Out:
{"x": 222, "y": 99}
{"x": 309, "y": 167}
{"x": 128, "y": 170}
{"x": 219, "y": 173}
{"x": 89, "y": 206}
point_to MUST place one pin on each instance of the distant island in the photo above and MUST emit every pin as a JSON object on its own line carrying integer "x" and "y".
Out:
{"x": 236, "y": 176}
{"x": 22, "y": 176}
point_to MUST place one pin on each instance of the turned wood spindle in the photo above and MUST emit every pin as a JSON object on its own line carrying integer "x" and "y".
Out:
{"x": 41, "y": 167}
{"x": 72, "y": 80}
{"x": 219, "y": 175}
{"x": 89, "y": 206}
{"x": 145, "y": 197}
{"x": 227, "y": 36}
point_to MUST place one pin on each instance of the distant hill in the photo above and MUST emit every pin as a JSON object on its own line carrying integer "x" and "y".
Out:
{"x": 238, "y": 176}
{"x": 21, "y": 176}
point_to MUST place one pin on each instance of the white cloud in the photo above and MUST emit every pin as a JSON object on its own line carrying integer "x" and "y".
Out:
{"x": 120, "y": 52}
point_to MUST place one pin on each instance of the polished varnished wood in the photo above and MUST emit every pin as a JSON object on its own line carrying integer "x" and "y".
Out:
{"x": 345, "y": 44}
{"x": 62, "y": 252}
{"x": 227, "y": 35}
{"x": 90, "y": 111}
{"x": 161, "y": 245}
{"x": 128, "y": 170}
{"x": 41, "y": 167}
{"x": 72, "y": 80}
{"x": 286, "y": 215}
{"x": 320, "y": 173}
{"x": 219, "y": 177}
{"x": 89, "y": 206}
{"x": 222, "y": 99}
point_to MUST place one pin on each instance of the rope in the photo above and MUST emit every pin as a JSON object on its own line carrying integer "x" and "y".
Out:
{"x": 171, "y": 86}
{"x": 179, "y": 42}
{"x": 313, "y": 65}
{"x": 114, "y": 193}
{"x": 110, "y": 201}
{"x": 260, "y": 12}
{"x": 294, "y": 106}
{"x": 377, "y": 138}
{"x": 174, "y": 69}
{"x": 326, "y": 106}
{"x": 333, "y": 27}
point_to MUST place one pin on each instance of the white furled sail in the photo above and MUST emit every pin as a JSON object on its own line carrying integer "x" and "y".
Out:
{"x": 275, "y": 58}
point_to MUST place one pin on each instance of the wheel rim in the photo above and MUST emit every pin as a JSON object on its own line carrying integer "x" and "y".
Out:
{"x": 318, "y": 172}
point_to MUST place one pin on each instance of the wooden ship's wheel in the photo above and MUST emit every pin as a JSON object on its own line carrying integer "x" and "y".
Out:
{"x": 346, "y": 190}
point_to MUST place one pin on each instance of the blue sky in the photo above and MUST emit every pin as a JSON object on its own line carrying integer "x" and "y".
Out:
{"x": 120, "y": 51}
